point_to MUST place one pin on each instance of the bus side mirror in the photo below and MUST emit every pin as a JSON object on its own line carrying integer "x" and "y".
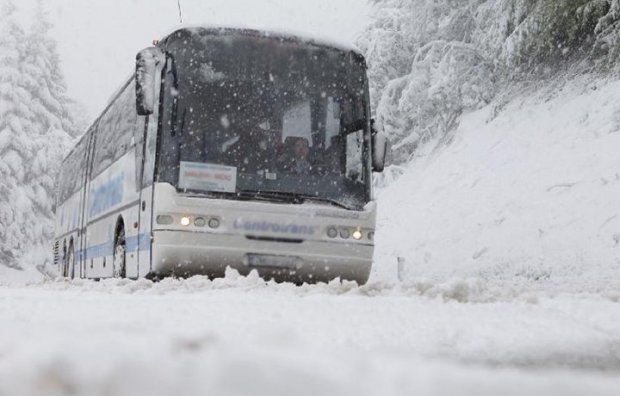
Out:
{"x": 379, "y": 149}
{"x": 147, "y": 62}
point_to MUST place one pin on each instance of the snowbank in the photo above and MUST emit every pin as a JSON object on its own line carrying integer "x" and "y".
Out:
{"x": 33, "y": 267}
{"x": 13, "y": 276}
{"x": 525, "y": 196}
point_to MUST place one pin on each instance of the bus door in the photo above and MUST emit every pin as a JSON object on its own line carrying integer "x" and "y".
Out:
{"x": 81, "y": 243}
{"x": 145, "y": 167}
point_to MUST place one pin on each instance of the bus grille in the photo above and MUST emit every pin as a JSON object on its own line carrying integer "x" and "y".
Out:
{"x": 56, "y": 252}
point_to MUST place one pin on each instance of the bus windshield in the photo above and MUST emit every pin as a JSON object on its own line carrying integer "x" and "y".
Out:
{"x": 250, "y": 117}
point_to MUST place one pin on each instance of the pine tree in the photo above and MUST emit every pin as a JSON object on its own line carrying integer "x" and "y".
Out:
{"x": 33, "y": 120}
{"x": 45, "y": 84}
{"x": 45, "y": 80}
{"x": 13, "y": 148}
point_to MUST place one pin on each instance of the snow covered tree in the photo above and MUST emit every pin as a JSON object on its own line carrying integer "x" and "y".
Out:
{"x": 45, "y": 80}
{"x": 432, "y": 60}
{"x": 33, "y": 137}
{"x": 13, "y": 148}
{"x": 446, "y": 78}
{"x": 424, "y": 69}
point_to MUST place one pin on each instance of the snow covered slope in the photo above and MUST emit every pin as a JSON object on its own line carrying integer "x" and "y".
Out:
{"x": 526, "y": 196}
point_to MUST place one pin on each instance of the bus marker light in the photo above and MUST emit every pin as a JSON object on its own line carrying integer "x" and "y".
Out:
{"x": 165, "y": 219}
{"x": 185, "y": 221}
{"x": 214, "y": 223}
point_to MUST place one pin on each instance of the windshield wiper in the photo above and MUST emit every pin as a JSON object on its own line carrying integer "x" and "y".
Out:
{"x": 327, "y": 200}
{"x": 291, "y": 197}
{"x": 271, "y": 196}
{"x": 248, "y": 195}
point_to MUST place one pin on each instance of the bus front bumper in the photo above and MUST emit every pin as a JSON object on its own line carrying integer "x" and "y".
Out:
{"x": 177, "y": 253}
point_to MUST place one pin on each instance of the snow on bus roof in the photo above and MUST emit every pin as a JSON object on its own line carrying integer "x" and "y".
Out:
{"x": 303, "y": 37}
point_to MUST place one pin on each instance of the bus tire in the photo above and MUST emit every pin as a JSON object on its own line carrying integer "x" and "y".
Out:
{"x": 120, "y": 254}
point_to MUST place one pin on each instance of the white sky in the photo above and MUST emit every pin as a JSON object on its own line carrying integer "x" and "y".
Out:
{"x": 98, "y": 39}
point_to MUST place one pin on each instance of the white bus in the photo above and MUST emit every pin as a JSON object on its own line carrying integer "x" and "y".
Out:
{"x": 227, "y": 148}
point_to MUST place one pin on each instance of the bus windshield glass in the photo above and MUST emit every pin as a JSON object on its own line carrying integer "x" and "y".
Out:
{"x": 254, "y": 117}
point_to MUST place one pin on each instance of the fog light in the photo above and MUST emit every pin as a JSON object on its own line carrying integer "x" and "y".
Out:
{"x": 200, "y": 222}
{"x": 345, "y": 233}
{"x": 357, "y": 234}
{"x": 214, "y": 223}
{"x": 165, "y": 219}
{"x": 185, "y": 221}
{"x": 332, "y": 232}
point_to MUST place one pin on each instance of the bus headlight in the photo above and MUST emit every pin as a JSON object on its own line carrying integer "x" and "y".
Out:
{"x": 200, "y": 222}
{"x": 345, "y": 233}
{"x": 185, "y": 221}
{"x": 332, "y": 232}
{"x": 357, "y": 234}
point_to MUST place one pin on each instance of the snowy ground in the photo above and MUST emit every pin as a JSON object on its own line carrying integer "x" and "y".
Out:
{"x": 511, "y": 286}
{"x": 242, "y": 336}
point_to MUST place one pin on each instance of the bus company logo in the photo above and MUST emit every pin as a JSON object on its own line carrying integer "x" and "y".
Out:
{"x": 276, "y": 228}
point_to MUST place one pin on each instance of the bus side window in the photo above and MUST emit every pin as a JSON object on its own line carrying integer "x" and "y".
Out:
{"x": 75, "y": 162}
{"x": 115, "y": 131}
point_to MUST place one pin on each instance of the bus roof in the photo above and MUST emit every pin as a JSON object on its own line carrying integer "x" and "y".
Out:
{"x": 277, "y": 34}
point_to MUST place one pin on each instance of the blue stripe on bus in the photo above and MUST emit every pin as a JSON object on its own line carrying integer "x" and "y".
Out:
{"x": 106, "y": 195}
{"x": 134, "y": 243}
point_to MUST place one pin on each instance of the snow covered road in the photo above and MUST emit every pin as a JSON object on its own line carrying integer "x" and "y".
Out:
{"x": 244, "y": 336}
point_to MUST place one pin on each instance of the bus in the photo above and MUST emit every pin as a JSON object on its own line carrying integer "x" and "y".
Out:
{"x": 227, "y": 147}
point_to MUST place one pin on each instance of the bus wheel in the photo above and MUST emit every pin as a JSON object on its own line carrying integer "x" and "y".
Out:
{"x": 120, "y": 252}
{"x": 70, "y": 262}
